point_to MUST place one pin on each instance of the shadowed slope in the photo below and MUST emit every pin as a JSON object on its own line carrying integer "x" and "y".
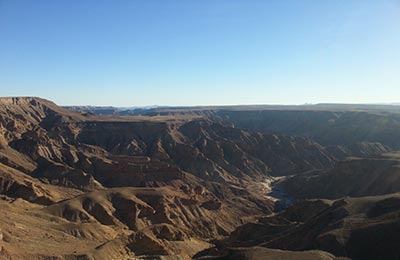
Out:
{"x": 359, "y": 228}
{"x": 355, "y": 177}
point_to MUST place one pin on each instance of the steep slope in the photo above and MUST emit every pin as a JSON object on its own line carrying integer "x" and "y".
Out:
{"x": 117, "y": 223}
{"x": 207, "y": 149}
{"x": 359, "y": 228}
{"x": 344, "y": 129}
{"x": 139, "y": 208}
{"x": 355, "y": 177}
{"x": 23, "y": 114}
{"x": 360, "y": 149}
{"x": 27, "y": 233}
{"x": 260, "y": 253}
{"x": 340, "y": 127}
{"x": 349, "y": 130}
{"x": 16, "y": 184}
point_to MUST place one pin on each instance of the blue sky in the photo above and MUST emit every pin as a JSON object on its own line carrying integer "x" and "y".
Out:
{"x": 200, "y": 52}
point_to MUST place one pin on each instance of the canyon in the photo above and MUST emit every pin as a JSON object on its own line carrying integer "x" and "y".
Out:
{"x": 198, "y": 183}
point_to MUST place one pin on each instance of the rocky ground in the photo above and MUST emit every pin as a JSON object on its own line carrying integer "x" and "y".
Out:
{"x": 188, "y": 185}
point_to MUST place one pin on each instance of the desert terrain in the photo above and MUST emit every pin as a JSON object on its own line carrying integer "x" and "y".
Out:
{"x": 245, "y": 182}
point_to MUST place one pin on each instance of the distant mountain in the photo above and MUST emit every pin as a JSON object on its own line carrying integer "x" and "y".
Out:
{"x": 109, "y": 110}
{"x": 101, "y": 110}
